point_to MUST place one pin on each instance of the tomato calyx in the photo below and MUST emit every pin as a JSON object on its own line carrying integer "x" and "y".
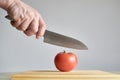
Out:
{"x": 64, "y": 51}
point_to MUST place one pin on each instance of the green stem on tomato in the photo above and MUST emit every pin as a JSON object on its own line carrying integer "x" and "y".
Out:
{"x": 64, "y": 51}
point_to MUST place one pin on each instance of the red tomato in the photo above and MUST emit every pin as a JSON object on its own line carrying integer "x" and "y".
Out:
{"x": 65, "y": 61}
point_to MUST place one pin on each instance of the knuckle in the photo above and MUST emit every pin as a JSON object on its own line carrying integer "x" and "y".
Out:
{"x": 15, "y": 23}
{"x": 27, "y": 33}
{"x": 24, "y": 25}
{"x": 43, "y": 25}
{"x": 21, "y": 28}
{"x": 34, "y": 30}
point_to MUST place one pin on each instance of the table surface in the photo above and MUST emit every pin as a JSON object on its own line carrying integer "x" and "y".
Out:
{"x": 7, "y": 75}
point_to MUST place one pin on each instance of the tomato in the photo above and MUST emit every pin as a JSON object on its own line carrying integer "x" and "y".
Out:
{"x": 65, "y": 62}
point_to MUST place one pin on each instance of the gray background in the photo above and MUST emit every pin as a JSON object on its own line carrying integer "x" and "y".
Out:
{"x": 94, "y": 22}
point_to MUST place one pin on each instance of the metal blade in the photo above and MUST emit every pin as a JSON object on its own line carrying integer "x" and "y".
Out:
{"x": 64, "y": 41}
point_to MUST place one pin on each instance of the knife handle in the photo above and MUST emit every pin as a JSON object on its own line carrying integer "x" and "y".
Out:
{"x": 9, "y": 18}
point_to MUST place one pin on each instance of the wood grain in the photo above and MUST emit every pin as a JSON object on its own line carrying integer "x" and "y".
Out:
{"x": 74, "y": 75}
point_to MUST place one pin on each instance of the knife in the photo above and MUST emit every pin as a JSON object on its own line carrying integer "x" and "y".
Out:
{"x": 61, "y": 40}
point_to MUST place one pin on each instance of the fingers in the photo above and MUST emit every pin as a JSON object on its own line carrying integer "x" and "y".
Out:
{"x": 32, "y": 29}
{"x": 26, "y": 19}
{"x": 37, "y": 27}
{"x": 41, "y": 28}
{"x": 21, "y": 25}
{"x": 15, "y": 23}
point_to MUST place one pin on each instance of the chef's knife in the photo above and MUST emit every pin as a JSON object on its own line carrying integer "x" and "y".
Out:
{"x": 61, "y": 40}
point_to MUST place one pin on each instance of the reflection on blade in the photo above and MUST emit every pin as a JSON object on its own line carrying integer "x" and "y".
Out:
{"x": 64, "y": 41}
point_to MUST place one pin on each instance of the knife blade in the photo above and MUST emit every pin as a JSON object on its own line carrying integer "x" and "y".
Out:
{"x": 61, "y": 40}
{"x": 64, "y": 41}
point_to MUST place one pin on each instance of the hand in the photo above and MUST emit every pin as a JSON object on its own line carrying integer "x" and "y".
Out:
{"x": 26, "y": 19}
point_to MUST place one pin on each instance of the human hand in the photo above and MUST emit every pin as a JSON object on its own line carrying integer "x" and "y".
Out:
{"x": 26, "y": 19}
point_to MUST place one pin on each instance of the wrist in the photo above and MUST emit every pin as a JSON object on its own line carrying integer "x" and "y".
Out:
{"x": 6, "y": 3}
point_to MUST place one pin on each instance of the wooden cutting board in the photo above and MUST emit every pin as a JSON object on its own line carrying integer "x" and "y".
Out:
{"x": 74, "y": 75}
